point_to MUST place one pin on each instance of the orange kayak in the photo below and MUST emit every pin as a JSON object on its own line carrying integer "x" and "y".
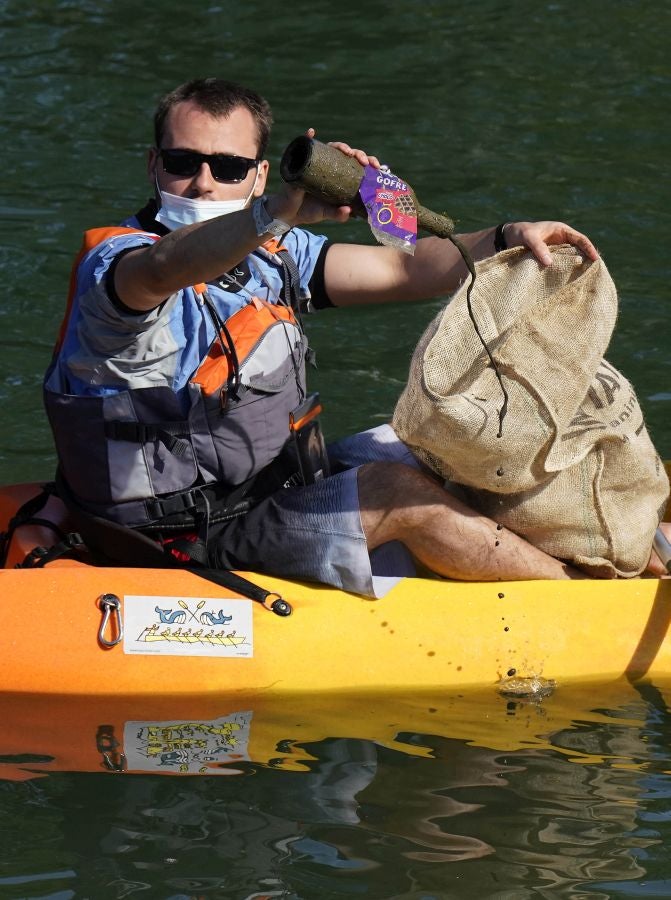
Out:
{"x": 174, "y": 633}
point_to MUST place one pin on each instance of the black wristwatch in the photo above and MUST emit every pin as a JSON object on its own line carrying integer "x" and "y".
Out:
{"x": 500, "y": 242}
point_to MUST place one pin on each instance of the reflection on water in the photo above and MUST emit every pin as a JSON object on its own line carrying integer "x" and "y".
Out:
{"x": 575, "y": 807}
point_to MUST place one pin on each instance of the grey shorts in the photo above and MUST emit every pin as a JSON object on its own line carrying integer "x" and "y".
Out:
{"x": 314, "y": 533}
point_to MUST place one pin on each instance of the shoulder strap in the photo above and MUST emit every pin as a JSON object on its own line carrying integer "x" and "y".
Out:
{"x": 291, "y": 281}
{"x": 291, "y": 278}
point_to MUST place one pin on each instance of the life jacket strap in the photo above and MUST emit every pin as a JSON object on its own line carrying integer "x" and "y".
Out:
{"x": 163, "y": 507}
{"x": 40, "y": 556}
{"x": 196, "y": 551}
{"x": 291, "y": 279}
{"x": 112, "y": 544}
{"x": 179, "y": 511}
{"x": 169, "y": 433}
{"x": 27, "y": 515}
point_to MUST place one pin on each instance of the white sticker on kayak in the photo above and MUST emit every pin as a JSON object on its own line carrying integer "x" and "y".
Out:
{"x": 188, "y": 626}
{"x": 187, "y": 746}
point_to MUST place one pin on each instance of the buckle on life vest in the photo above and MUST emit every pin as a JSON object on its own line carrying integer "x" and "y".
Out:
{"x": 162, "y": 507}
{"x": 171, "y": 434}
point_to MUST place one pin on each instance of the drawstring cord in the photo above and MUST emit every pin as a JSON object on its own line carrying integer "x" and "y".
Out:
{"x": 470, "y": 265}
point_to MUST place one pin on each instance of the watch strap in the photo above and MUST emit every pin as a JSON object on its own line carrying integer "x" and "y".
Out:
{"x": 264, "y": 222}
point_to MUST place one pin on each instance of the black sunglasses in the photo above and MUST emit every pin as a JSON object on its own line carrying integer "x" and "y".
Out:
{"x": 224, "y": 166}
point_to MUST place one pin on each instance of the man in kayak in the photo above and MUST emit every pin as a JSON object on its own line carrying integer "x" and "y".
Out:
{"x": 181, "y": 365}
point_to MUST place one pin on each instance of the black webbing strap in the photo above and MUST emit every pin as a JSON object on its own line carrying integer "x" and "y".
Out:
{"x": 291, "y": 278}
{"x": 195, "y": 502}
{"x": 162, "y": 507}
{"x": 40, "y": 556}
{"x": 113, "y": 544}
{"x": 27, "y": 515}
{"x": 199, "y": 565}
{"x": 195, "y": 550}
{"x": 169, "y": 433}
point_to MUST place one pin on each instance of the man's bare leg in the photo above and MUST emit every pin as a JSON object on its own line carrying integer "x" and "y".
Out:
{"x": 400, "y": 503}
{"x": 656, "y": 566}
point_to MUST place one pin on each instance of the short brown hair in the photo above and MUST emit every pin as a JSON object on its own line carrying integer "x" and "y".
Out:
{"x": 218, "y": 98}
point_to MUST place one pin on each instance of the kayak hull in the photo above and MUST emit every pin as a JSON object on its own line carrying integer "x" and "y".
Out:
{"x": 424, "y": 634}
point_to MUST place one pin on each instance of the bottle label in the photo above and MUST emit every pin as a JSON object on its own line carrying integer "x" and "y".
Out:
{"x": 392, "y": 214}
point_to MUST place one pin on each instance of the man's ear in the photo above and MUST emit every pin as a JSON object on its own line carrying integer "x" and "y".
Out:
{"x": 152, "y": 161}
{"x": 261, "y": 178}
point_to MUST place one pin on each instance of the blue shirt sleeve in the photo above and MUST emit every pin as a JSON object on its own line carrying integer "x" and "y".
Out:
{"x": 308, "y": 251}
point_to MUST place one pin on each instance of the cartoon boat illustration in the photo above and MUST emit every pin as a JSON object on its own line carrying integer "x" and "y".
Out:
{"x": 221, "y": 639}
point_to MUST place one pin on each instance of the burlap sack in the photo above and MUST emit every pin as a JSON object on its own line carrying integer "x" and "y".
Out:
{"x": 574, "y": 471}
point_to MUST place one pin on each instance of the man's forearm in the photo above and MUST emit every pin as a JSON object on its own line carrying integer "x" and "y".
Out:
{"x": 357, "y": 274}
{"x": 438, "y": 266}
{"x": 193, "y": 254}
{"x": 383, "y": 275}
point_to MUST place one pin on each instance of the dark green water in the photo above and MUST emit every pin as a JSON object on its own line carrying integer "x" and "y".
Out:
{"x": 493, "y": 111}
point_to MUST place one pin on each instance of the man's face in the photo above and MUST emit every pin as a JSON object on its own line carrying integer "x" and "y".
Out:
{"x": 187, "y": 127}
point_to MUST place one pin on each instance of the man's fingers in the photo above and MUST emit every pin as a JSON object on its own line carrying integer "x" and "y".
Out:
{"x": 363, "y": 158}
{"x": 540, "y": 250}
{"x": 582, "y": 242}
{"x": 539, "y": 236}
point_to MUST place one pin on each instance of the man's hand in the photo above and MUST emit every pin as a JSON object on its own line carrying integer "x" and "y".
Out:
{"x": 537, "y": 236}
{"x": 363, "y": 158}
{"x": 294, "y": 206}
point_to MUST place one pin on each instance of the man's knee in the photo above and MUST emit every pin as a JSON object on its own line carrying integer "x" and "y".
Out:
{"x": 384, "y": 485}
{"x": 388, "y": 491}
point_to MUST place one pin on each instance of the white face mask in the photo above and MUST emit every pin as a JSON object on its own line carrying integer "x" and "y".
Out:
{"x": 175, "y": 211}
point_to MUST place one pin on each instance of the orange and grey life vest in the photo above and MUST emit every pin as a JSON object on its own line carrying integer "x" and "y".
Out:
{"x": 139, "y": 455}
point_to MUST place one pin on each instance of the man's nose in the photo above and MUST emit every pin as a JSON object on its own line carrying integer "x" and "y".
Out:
{"x": 203, "y": 180}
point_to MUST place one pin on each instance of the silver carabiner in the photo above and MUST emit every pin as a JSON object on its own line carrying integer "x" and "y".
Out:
{"x": 110, "y": 605}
